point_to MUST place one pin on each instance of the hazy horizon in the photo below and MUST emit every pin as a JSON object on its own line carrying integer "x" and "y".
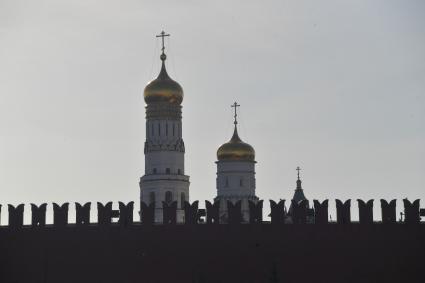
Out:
{"x": 335, "y": 87}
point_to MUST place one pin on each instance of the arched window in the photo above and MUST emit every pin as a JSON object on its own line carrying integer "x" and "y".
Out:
{"x": 226, "y": 182}
{"x": 182, "y": 199}
{"x": 151, "y": 197}
{"x": 168, "y": 197}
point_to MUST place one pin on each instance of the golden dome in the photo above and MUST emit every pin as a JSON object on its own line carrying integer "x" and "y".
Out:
{"x": 163, "y": 89}
{"x": 236, "y": 150}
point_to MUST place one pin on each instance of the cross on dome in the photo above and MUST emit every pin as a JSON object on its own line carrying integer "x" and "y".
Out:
{"x": 163, "y": 35}
{"x": 235, "y": 105}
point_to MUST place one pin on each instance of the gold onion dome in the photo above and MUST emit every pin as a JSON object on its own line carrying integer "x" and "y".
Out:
{"x": 235, "y": 150}
{"x": 163, "y": 88}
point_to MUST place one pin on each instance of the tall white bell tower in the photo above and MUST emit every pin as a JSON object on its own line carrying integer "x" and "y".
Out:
{"x": 164, "y": 179}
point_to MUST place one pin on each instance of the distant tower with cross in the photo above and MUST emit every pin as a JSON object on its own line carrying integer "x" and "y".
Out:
{"x": 164, "y": 179}
{"x": 299, "y": 193}
{"x": 235, "y": 173}
{"x": 298, "y": 196}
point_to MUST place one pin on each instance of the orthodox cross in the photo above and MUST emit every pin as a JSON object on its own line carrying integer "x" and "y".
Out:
{"x": 298, "y": 169}
{"x": 235, "y": 105}
{"x": 162, "y": 35}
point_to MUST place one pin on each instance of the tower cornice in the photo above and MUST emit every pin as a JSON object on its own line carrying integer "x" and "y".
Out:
{"x": 163, "y": 110}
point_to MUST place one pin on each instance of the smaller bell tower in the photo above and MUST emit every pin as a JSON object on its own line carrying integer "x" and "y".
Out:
{"x": 235, "y": 173}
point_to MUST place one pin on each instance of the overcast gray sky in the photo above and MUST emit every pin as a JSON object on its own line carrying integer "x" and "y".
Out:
{"x": 336, "y": 87}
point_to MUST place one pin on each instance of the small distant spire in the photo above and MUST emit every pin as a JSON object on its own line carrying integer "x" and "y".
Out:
{"x": 298, "y": 180}
{"x": 299, "y": 193}
{"x": 298, "y": 169}
{"x": 163, "y": 35}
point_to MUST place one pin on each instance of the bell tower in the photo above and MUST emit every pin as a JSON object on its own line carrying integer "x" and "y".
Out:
{"x": 235, "y": 173}
{"x": 164, "y": 179}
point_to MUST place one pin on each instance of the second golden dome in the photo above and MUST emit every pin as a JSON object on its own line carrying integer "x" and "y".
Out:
{"x": 236, "y": 150}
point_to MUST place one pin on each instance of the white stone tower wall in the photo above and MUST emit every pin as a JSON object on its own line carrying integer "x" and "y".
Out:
{"x": 164, "y": 159}
{"x": 235, "y": 181}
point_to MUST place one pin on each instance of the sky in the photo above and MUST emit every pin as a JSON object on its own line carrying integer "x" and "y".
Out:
{"x": 335, "y": 87}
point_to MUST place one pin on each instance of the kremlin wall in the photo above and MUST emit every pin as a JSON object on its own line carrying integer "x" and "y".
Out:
{"x": 202, "y": 249}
